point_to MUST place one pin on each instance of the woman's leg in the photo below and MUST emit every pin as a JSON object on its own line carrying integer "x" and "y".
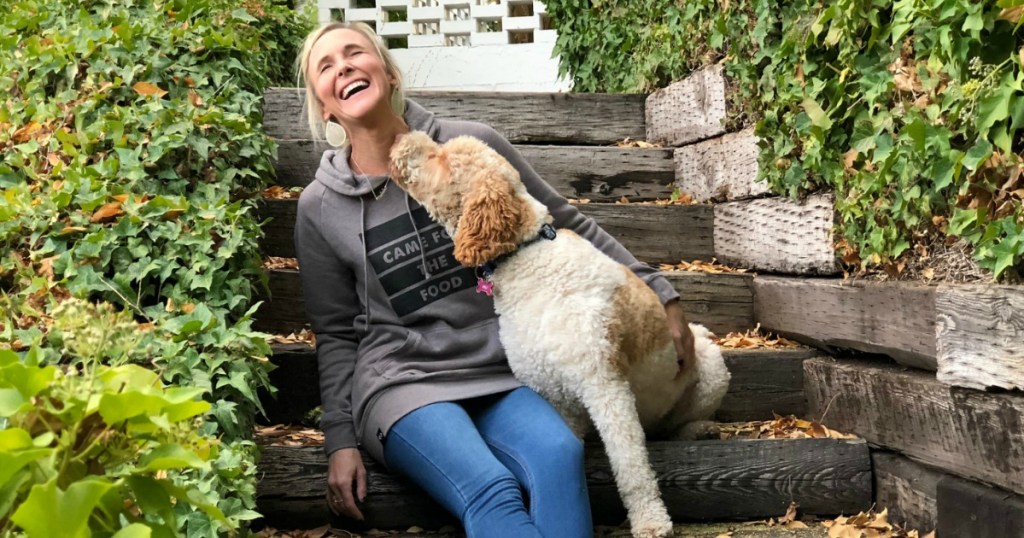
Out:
{"x": 529, "y": 436}
{"x": 440, "y": 449}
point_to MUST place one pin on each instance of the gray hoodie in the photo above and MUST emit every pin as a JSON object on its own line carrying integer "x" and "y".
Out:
{"x": 398, "y": 321}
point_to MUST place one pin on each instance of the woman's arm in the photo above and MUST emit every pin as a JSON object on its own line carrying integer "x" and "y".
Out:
{"x": 331, "y": 305}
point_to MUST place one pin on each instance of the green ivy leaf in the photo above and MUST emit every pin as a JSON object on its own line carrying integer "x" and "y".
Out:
{"x": 817, "y": 115}
{"x": 978, "y": 154}
{"x": 38, "y": 514}
{"x": 169, "y": 456}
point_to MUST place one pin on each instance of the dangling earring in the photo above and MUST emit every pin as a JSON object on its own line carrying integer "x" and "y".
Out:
{"x": 335, "y": 134}
{"x": 397, "y": 102}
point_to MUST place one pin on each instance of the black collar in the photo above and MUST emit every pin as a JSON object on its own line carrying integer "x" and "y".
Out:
{"x": 547, "y": 231}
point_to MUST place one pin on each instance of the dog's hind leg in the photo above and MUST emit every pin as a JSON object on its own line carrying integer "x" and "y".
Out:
{"x": 610, "y": 402}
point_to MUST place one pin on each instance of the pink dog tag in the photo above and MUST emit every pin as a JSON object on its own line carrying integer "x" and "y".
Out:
{"x": 485, "y": 287}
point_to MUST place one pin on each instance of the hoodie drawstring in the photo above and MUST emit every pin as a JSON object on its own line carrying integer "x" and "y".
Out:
{"x": 366, "y": 260}
{"x": 423, "y": 249}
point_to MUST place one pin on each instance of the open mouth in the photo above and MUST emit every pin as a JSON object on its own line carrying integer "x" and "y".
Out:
{"x": 354, "y": 88}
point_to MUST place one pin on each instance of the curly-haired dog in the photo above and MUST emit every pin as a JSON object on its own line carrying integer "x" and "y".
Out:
{"x": 577, "y": 326}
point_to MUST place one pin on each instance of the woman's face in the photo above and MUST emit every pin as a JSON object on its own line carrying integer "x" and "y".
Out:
{"x": 348, "y": 77}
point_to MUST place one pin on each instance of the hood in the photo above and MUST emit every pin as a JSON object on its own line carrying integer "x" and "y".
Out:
{"x": 335, "y": 173}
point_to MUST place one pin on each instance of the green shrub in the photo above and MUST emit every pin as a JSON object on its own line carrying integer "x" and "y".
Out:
{"x": 910, "y": 110}
{"x": 131, "y": 157}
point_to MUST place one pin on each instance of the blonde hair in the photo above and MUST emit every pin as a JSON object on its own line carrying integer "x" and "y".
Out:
{"x": 314, "y": 109}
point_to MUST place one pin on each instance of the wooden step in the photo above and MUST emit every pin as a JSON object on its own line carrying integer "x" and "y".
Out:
{"x": 893, "y": 318}
{"x": 523, "y": 118}
{"x": 976, "y": 435}
{"x": 704, "y": 480}
{"x": 722, "y": 302}
{"x": 764, "y": 382}
{"x": 980, "y": 334}
{"x": 652, "y": 233}
{"x": 600, "y": 174}
{"x": 968, "y": 509}
{"x": 907, "y": 489}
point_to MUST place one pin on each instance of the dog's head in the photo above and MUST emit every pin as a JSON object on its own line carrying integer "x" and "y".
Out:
{"x": 471, "y": 190}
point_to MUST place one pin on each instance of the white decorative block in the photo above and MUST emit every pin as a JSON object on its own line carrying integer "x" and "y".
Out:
{"x": 423, "y": 41}
{"x": 487, "y": 12}
{"x": 488, "y": 38}
{"x": 368, "y": 14}
{"x": 395, "y": 29}
{"x": 457, "y": 27}
{"x": 434, "y": 13}
{"x": 519, "y": 23}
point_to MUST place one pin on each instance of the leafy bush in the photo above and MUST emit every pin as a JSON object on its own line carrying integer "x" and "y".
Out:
{"x": 911, "y": 110}
{"x": 132, "y": 152}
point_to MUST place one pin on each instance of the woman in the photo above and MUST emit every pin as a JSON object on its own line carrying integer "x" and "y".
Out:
{"x": 411, "y": 367}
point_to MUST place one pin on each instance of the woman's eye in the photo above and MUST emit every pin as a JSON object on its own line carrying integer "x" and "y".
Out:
{"x": 324, "y": 67}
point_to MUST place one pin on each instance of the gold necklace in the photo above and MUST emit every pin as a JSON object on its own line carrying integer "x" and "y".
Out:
{"x": 359, "y": 169}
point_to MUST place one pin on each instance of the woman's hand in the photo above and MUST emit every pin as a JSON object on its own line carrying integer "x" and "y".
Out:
{"x": 681, "y": 334}
{"x": 346, "y": 482}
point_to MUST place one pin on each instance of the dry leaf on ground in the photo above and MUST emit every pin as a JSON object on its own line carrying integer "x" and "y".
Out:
{"x": 782, "y": 427}
{"x": 712, "y": 267}
{"x": 630, "y": 143}
{"x": 278, "y": 192}
{"x": 869, "y": 525}
{"x": 754, "y": 339}
{"x": 305, "y": 336}
{"x": 275, "y": 262}
{"x": 289, "y": 435}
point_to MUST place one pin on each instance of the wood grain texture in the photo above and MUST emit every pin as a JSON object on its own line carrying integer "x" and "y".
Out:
{"x": 964, "y": 432}
{"x": 599, "y": 174}
{"x": 720, "y": 169}
{"x": 723, "y": 303}
{"x": 564, "y": 118}
{"x": 893, "y": 318}
{"x": 764, "y": 382}
{"x": 689, "y": 110}
{"x": 777, "y": 235}
{"x": 652, "y": 233}
{"x": 980, "y": 332}
{"x": 907, "y": 489}
{"x": 971, "y": 510}
{"x": 699, "y": 480}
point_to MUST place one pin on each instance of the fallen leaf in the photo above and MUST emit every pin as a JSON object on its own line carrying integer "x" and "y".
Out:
{"x": 194, "y": 98}
{"x": 27, "y": 132}
{"x": 147, "y": 89}
{"x": 107, "y": 212}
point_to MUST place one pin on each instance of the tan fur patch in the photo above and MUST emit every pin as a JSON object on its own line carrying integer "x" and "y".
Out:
{"x": 492, "y": 221}
{"x": 638, "y": 326}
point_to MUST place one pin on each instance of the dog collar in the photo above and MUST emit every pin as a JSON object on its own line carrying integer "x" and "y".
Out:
{"x": 484, "y": 272}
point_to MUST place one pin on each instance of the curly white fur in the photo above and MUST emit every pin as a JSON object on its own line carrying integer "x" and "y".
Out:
{"x": 577, "y": 326}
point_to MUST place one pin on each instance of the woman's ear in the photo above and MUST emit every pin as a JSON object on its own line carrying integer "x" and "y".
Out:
{"x": 492, "y": 220}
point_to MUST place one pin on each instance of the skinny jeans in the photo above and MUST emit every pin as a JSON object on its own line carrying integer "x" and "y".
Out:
{"x": 506, "y": 465}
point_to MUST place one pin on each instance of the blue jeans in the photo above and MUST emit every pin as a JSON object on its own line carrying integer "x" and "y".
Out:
{"x": 478, "y": 458}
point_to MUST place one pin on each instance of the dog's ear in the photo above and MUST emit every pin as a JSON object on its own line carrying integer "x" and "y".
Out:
{"x": 492, "y": 220}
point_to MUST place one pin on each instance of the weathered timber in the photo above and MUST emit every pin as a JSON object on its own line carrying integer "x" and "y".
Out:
{"x": 599, "y": 174}
{"x": 965, "y": 432}
{"x": 980, "y": 333}
{"x": 777, "y": 235}
{"x": 907, "y": 489}
{"x": 297, "y": 380}
{"x": 971, "y": 510}
{"x": 653, "y": 233}
{"x": 703, "y": 480}
{"x": 722, "y": 303}
{"x": 564, "y": 118}
{"x": 720, "y": 169}
{"x": 689, "y": 110}
{"x": 893, "y": 318}
{"x": 764, "y": 381}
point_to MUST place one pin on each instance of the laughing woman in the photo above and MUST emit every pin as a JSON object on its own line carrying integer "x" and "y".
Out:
{"x": 411, "y": 367}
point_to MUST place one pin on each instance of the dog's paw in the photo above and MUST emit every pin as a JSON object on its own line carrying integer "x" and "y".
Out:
{"x": 661, "y": 529}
